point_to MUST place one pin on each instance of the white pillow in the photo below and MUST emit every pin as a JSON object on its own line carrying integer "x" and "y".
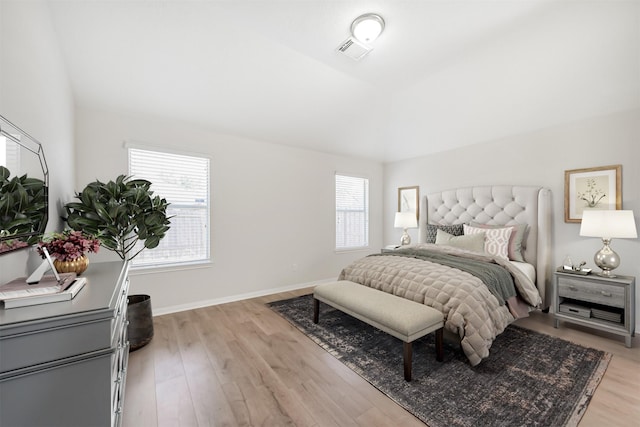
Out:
{"x": 473, "y": 243}
{"x": 496, "y": 240}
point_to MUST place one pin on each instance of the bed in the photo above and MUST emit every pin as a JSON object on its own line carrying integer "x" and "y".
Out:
{"x": 452, "y": 278}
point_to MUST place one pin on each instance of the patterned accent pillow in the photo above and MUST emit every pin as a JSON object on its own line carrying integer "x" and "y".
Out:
{"x": 496, "y": 241}
{"x": 432, "y": 230}
{"x": 516, "y": 241}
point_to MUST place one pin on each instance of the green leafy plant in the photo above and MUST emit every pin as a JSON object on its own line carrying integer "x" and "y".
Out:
{"x": 23, "y": 206}
{"x": 120, "y": 214}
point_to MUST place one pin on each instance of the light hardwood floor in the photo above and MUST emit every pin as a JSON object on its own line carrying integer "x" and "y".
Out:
{"x": 241, "y": 364}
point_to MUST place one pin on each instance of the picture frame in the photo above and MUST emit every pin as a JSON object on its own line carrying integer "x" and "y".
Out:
{"x": 409, "y": 200}
{"x": 591, "y": 188}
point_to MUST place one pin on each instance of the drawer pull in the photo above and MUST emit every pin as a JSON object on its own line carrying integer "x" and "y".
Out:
{"x": 606, "y": 294}
{"x": 573, "y": 288}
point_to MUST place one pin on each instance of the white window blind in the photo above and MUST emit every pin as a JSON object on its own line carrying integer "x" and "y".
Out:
{"x": 352, "y": 212}
{"x": 184, "y": 181}
{"x": 10, "y": 155}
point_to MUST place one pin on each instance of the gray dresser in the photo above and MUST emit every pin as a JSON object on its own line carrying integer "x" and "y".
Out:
{"x": 64, "y": 363}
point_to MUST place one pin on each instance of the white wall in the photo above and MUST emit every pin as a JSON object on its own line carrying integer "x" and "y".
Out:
{"x": 35, "y": 95}
{"x": 272, "y": 208}
{"x": 537, "y": 158}
{"x": 560, "y": 62}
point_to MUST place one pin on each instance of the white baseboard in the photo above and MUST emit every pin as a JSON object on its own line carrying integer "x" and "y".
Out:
{"x": 233, "y": 298}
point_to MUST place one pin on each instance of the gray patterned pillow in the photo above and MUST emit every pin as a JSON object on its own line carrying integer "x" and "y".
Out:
{"x": 517, "y": 241}
{"x": 432, "y": 231}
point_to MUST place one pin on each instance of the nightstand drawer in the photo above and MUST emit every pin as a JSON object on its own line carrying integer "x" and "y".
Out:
{"x": 598, "y": 293}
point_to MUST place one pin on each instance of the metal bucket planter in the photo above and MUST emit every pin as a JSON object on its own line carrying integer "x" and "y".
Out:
{"x": 140, "y": 329}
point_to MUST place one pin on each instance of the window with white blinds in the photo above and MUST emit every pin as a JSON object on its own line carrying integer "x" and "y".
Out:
{"x": 184, "y": 181}
{"x": 352, "y": 212}
{"x": 10, "y": 155}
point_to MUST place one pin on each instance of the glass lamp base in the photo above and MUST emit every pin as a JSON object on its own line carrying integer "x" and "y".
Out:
{"x": 607, "y": 259}
{"x": 405, "y": 239}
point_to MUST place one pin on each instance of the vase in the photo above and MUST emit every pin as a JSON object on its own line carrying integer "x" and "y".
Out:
{"x": 78, "y": 265}
{"x": 140, "y": 319}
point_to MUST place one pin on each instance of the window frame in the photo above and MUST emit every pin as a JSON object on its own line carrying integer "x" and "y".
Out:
{"x": 175, "y": 264}
{"x": 367, "y": 212}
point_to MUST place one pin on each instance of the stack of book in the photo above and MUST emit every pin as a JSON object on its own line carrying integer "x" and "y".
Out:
{"x": 611, "y": 316}
{"x": 19, "y": 293}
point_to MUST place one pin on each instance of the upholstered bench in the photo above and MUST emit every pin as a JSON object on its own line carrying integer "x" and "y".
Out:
{"x": 404, "y": 319}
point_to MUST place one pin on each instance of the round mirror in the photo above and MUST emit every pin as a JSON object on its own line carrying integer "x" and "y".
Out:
{"x": 24, "y": 183}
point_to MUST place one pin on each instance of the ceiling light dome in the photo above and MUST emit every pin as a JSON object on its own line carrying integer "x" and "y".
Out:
{"x": 366, "y": 28}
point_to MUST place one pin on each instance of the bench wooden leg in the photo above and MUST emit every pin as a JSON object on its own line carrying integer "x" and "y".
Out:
{"x": 439, "y": 345}
{"x": 408, "y": 353}
{"x": 316, "y": 310}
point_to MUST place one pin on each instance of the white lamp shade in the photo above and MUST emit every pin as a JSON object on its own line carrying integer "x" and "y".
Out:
{"x": 405, "y": 220}
{"x": 608, "y": 224}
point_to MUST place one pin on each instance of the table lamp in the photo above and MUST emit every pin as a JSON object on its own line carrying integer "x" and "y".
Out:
{"x": 608, "y": 224}
{"x": 405, "y": 220}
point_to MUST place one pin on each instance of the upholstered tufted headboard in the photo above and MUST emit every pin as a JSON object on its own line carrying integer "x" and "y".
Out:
{"x": 500, "y": 205}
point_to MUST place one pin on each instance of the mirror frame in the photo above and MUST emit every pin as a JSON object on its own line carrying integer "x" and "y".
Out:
{"x": 29, "y": 143}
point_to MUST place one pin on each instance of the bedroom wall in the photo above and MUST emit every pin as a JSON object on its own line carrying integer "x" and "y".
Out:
{"x": 536, "y": 158}
{"x": 272, "y": 217}
{"x": 35, "y": 95}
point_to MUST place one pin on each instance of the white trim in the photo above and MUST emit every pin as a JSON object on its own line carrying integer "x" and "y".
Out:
{"x": 162, "y": 149}
{"x": 353, "y": 249}
{"x": 234, "y": 298}
{"x": 163, "y": 268}
{"x": 351, "y": 174}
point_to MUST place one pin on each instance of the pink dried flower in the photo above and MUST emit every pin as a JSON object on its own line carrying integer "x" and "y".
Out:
{"x": 68, "y": 245}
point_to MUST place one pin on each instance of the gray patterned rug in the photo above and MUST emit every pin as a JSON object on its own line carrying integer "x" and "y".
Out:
{"x": 530, "y": 379}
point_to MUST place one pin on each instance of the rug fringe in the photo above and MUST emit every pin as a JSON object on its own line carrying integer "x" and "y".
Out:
{"x": 581, "y": 406}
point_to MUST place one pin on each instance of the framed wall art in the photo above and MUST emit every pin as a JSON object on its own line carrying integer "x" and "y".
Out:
{"x": 408, "y": 200}
{"x": 591, "y": 188}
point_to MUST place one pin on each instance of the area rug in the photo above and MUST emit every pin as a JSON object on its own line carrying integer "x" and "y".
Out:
{"x": 529, "y": 379}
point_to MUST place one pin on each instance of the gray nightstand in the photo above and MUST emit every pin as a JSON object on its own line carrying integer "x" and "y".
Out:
{"x": 598, "y": 302}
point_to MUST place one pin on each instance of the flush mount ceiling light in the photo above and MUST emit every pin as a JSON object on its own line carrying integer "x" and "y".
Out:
{"x": 366, "y": 28}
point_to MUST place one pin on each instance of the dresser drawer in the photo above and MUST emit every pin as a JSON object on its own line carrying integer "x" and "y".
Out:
{"x": 119, "y": 381}
{"x": 119, "y": 321}
{"x": 29, "y": 349}
{"x": 69, "y": 393}
{"x": 117, "y": 377}
{"x": 594, "y": 292}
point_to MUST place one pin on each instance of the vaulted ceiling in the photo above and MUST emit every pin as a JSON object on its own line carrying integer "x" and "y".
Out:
{"x": 443, "y": 74}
